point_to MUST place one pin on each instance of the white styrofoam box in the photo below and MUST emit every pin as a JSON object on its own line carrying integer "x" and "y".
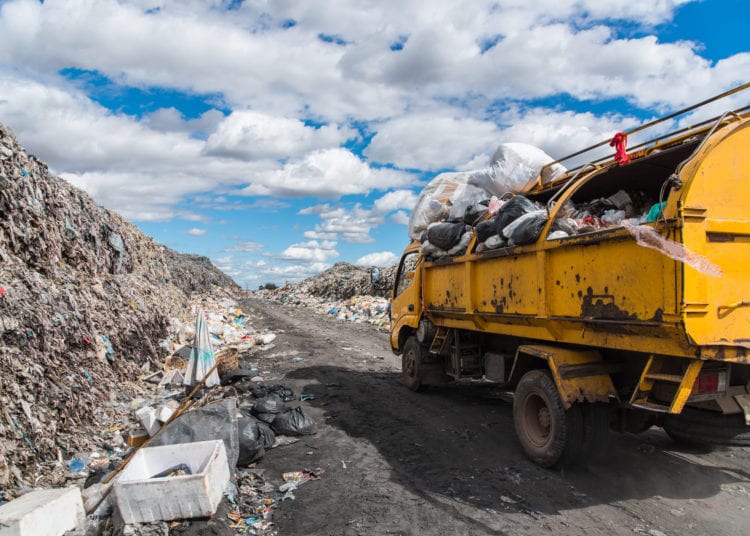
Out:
{"x": 147, "y": 416}
{"x": 44, "y": 512}
{"x": 142, "y": 499}
{"x": 163, "y": 413}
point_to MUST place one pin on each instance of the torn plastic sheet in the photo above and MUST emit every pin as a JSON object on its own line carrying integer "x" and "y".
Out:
{"x": 648, "y": 238}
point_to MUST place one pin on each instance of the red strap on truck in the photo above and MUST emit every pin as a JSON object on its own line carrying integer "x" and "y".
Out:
{"x": 620, "y": 142}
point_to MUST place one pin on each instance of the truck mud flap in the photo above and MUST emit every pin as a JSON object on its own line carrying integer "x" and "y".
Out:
{"x": 580, "y": 375}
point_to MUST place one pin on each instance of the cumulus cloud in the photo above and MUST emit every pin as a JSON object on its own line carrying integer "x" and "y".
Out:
{"x": 311, "y": 251}
{"x": 326, "y": 173}
{"x": 196, "y": 232}
{"x": 382, "y": 258}
{"x": 251, "y": 135}
{"x": 429, "y": 142}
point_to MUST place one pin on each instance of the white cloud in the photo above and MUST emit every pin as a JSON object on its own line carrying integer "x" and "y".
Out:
{"x": 326, "y": 173}
{"x": 196, "y": 232}
{"x": 311, "y": 251}
{"x": 431, "y": 143}
{"x": 383, "y": 258}
{"x": 395, "y": 200}
{"x": 245, "y": 246}
{"x": 250, "y": 135}
{"x": 400, "y": 218}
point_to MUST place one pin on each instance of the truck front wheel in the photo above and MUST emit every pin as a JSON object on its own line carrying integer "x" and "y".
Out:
{"x": 544, "y": 428}
{"x": 411, "y": 364}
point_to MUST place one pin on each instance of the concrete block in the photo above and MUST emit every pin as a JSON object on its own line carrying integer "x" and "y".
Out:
{"x": 144, "y": 499}
{"x": 44, "y": 512}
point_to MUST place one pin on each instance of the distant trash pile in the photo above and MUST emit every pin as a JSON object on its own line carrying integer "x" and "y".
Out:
{"x": 360, "y": 309}
{"x": 344, "y": 291}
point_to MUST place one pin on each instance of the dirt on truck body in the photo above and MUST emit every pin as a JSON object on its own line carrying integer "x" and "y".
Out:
{"x": 622, "y": 325}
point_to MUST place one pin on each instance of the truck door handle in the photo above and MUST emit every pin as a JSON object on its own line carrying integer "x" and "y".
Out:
{"x": 411, "y": 307}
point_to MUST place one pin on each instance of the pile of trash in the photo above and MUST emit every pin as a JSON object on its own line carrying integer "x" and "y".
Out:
{"x": 360, "y": 309}
{"x": 344, "y": 280}
{"x": 488, "y": 204}
{"x": 345, "y": 291}
{"x": 84, "y": 296}
{"x": 187, "y": 443}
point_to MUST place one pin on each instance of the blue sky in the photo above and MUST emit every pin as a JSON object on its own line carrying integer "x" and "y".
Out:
{"x": 278, "y": 138}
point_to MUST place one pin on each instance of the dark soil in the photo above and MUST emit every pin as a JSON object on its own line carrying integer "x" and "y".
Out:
{"x": 447, "y": 461}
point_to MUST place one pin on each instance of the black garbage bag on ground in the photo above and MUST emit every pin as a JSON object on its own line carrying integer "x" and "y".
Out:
{"x": 267, "y": 434}
{"x": 485, "y": 229}
{"x": 271, "y": 403}
{"x": 294, "y": 422}
{"x": 512, "y": 210}
{"x": 445, "y": 235}
{"x": 266, "y": 417}
{"x": 217, "y": 420}
{"x": 284, "y": 391}
{"x": 252, "y": 447}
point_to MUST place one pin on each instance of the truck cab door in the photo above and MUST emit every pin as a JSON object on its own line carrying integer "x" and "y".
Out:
{"x": 405, "y": 302}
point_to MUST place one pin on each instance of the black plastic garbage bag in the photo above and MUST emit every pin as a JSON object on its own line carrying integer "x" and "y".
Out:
{"x": 475, "y": 212}
{"x": 527, "y": 228}
{"x": 512, "y": 210}
{"x": 267, "y": 417}
{"x": 445, "y": 235}
{"x": 217, "y": 420}
{"x": 267, "y": 434}
{"x": 284, "y": 391}
{"x": 294, "y": 422}
{"x": 272, "y": 403}
{"x": 485, "y": 229}
{"x": 252, "y": 447}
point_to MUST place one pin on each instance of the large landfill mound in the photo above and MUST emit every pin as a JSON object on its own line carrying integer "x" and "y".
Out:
{"x": 345, "y": 291}
{"x": 84, "y": 295}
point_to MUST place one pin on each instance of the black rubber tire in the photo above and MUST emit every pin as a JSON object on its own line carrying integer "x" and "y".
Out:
{"x": 411, "y": 364}
{"x": 549, "y": 435}
{"x": 700, "y": 427}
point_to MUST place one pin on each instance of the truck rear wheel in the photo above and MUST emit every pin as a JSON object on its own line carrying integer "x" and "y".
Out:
{"x": 548, "y": 433}
{"x": 411, "y": 364}
{"x": 698, "y": 427}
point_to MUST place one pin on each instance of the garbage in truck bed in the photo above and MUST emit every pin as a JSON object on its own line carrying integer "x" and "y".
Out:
{"x": 514, "y": 168}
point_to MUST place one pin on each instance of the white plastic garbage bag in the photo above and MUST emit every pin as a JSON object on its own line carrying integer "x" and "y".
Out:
{"x": 202, "y": 357}
{"x": 514, "y": 168}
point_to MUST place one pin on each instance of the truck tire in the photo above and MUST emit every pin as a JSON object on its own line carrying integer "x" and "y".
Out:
{"x": 700, "y": 427}
{"x": 548, "y": 433}
{"x": 411, "y": 364}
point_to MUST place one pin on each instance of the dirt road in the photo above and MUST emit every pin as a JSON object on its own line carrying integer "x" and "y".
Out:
{"x": 447, "y": 461}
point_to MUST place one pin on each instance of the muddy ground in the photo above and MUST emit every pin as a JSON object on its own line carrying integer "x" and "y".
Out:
{"x": 447, "y": 461}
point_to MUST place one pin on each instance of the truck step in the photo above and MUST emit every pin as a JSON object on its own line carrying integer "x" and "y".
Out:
{"x": 651, "y": 406}
{"x": 652, "y": 373}
{"x": 672, "y": 378}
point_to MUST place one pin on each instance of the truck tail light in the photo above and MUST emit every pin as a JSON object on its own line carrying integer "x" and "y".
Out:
{"x": 712, "y": 382}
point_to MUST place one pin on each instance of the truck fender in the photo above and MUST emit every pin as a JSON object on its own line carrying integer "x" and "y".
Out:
{"x": 580, "y": 375}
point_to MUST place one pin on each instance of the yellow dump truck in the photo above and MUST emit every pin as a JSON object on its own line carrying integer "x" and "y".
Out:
{"x": 593, "y": 330}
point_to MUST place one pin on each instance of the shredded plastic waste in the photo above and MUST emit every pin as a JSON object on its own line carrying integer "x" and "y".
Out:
{"x": 645, "y": 236}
